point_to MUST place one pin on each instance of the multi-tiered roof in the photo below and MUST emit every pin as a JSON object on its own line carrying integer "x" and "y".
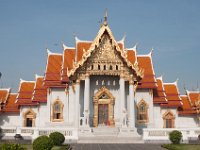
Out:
{"x": 61, "y": 66}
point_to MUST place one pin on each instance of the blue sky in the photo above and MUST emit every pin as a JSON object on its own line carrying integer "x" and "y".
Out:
{"x": 171, "y": 27}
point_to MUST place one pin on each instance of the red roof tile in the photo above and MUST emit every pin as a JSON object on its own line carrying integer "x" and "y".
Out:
{"x": 81, "y": 46}
{"x": 131, "y": 54}
{"x": 193, "y": 96}
{"x": 4, "y": 95}
{"x": 148, "y": 80}
{"x": 159, "y": 93}
{"x": 11, "y": 106}
{"x": 186, "y": 108}
{"x": 40, "y": 91}
{"x": 25, "y": 93}
{"x": 172, "y": 95}
{"x": 53, "y": 70}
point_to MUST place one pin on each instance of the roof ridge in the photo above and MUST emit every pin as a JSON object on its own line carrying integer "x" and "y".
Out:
{"x": 52, "y": 53}
{"x": 78, "y": 40}
{"x": 67, "y": 47}
{"x": 21, "y": 81}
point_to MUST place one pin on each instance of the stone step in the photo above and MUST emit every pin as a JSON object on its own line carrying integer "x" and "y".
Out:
{"x": 105, "y": 131}
{"x": 110, "y": 139}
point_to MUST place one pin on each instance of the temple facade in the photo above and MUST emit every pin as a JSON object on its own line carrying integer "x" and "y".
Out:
{"x": 99, "y": 88}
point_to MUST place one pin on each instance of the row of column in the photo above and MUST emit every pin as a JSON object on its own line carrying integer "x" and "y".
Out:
{"x": 86, "y": 112}
{"x": 123, "y": 115}
{"x": 131, "y": 112}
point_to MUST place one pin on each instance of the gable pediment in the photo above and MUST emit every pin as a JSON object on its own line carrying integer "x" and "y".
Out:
{"x": 105, "y": 57}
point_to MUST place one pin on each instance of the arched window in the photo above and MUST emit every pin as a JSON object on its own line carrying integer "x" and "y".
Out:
{"x": 117, "y": 67}
{"x": 110, "y": 67}
{"x": 99, "y": 68}
{"x": 142, "y": 112}
{"x": 29, "y": 118}
{"x": 104, "y": 67}
{"x": 57, "y": 111}
{"x": 168, "y": 119}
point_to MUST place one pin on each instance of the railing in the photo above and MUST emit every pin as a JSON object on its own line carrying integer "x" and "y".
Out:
{"x": 163, "y": 134}
{"x": 35, "y": 132}
{"x": 67, "y": 133}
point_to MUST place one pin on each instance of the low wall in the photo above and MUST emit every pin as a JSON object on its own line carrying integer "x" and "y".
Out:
{"x": 30, "y": 133}
{"x": 161, "y": 135}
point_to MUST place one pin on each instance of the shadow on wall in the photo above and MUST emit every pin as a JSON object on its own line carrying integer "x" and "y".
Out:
{"x": 140, "y": 128}
{"x": 3, "y": 119}
{"x": 197, "y": 121}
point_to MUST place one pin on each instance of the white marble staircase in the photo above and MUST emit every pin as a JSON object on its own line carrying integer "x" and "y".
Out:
{"x": 107, "y": 135}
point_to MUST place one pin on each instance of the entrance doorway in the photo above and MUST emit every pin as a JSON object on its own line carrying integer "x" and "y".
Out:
{"x": 103, "y": 102}
{"x": 103, "y": 114}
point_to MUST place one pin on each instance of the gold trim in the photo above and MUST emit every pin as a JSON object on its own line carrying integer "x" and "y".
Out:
{"x": 145, "y": 113}
{"x": 169, "y": 115}
{"x": 110, "y": 100}
{"x": 29, "y": 114}
{"x": 96, "y": 43}
{"x": 61, "y": 111}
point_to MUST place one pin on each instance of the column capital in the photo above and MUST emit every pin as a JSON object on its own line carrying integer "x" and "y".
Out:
{"x": 131, "y": 82}
{"x": 78, "y": 81}
{"x": 87, "y": 75}
{"x": 122, "y": 75}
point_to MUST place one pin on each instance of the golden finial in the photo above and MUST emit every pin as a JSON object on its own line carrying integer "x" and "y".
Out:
{"x": 105, "y": 17}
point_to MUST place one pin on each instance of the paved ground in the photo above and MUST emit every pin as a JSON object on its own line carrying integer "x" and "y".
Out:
{"x": 117, "y": 147}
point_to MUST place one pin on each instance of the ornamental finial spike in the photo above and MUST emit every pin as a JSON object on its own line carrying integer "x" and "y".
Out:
{"x": 105, "y": 17}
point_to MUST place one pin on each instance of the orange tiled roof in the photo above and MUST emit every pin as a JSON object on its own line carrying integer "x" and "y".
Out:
{"x": 67, "y": 64}
{"x": 25, "y": 93}
{"x": 131, "y": 55}
{"x": 4, "y": 95}
{"x": 172, "y": 95}
{"x": 53, "y": 71}
{"x": 159, "y": 93}
{"x": 148, "y": 81}
{"x": 11, "y": 106}
{"x": 193, "y": 96}
{"x": 81, "y": 46}
{"x": 40, "y": 91}
{"x": 186, "y": 108}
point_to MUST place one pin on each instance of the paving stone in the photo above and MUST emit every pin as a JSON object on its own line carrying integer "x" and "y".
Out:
{"x": 117, "y": 147}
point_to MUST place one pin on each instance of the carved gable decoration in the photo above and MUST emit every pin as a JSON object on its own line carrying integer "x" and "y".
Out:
{"x": 105, "y": 51}
{"x": 104, "y": 57}
{"x": 103, "y": 93}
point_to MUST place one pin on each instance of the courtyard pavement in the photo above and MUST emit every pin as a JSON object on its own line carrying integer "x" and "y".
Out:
{"x": 117, "y": 147}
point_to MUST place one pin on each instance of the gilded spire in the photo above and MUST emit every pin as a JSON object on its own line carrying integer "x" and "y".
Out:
{"x": 105, "y": 17}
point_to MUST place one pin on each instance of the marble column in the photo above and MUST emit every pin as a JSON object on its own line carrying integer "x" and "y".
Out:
{"x": 87, "y": 100}
{"x": 131, "y": 105}
{"x": 77, "y": 103}
{"x": 122, "y": 101}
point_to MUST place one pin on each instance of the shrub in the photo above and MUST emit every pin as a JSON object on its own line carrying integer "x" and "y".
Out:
{"x": 175, "y": 137}
{"x": 57, "y": 138}
{"x": 42, "y": 143}
{"x": 8, "y": 146}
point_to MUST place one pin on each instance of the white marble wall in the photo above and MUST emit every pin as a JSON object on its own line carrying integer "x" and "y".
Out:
{"x": 68, "y": 102}
{"x": 147, "y": 96}
{"x": 9, "y": 120}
